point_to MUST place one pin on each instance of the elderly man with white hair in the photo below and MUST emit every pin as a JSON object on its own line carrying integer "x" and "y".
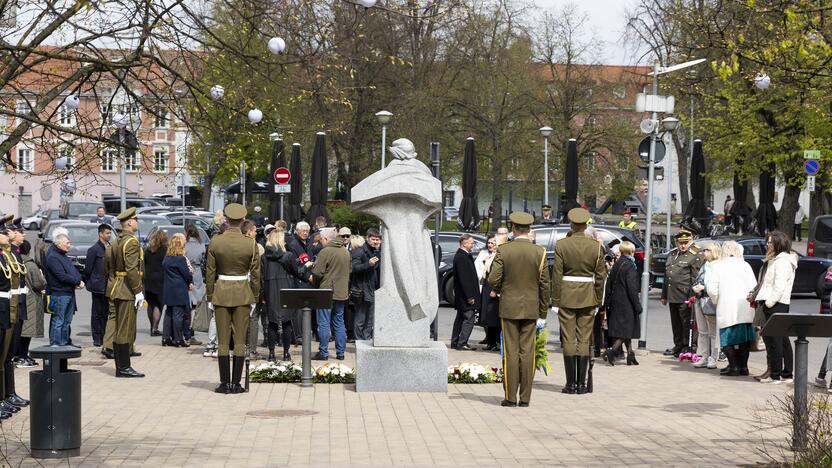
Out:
{"x": 62, "y": 279}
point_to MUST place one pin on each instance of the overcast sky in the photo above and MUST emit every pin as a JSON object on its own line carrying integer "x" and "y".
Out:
{"x": 607, "y": 20}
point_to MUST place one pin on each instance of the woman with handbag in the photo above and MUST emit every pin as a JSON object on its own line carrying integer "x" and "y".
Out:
{"x": 705, "y": 310}
{"x": 623, "y": 304}
{"x": 727, "y": 282}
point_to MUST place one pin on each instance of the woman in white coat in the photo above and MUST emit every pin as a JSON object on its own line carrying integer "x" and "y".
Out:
{"x": 705, "y": 310}
{"x": 727, "y": 284}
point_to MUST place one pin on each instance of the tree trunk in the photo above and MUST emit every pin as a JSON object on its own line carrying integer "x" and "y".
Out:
{"x": 785, "y": 217}
{"x": 206, "y": 191}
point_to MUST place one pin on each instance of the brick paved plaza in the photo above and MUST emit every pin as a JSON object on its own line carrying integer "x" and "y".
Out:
{"x": 638, "y": 416}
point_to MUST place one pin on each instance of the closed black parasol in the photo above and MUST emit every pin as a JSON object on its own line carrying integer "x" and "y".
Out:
{"x": 740, "y": 212}
{"x": 278, "y": 160}
{"x": 294, "y": 210}
{"x": 469, "y": 217}
{"x": 319, "y": 181}
{"x": 571, "y": 178}
{"x": 696, "y": 213}
{"x": 766, "y": 213}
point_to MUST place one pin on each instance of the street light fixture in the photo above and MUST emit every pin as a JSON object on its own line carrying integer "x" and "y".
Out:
{"x": 545, "y": 131}
{"x": 654, "y": 105}
{"x": 121, "y": 120}
{"x": 277, "y": 45}
{"x": 367, "y": 3}
{"x": 72, "y": 101}
{"x": 669, "y": 124}
{"x": 384, "y": 118}
{"x": 255, "y": 115}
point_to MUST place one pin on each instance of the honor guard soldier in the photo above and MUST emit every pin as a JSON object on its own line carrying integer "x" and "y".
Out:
{"x": 17, "y": 236}
{"x": 577, "y": 289}
{"x": 520, "y": 275}
{"x": 681, "y": 269}
{"x": 11, "y": 273}
{"x": 232, "y": 283}
{"x": 125, "y": 289}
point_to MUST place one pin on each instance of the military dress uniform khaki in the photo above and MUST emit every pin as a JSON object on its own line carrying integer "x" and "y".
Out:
{"x": 232, "y": 283}
{"x": 681, "y": 270}
{"x": 520, "y": 275}
{"x": 12, "y": 272}
{"x": 578, "y": 290}
{"x": 125, "y": 288}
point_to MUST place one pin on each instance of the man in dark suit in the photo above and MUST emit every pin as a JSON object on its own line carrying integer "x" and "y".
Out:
{"x": 96, "y": 280}
{"x": 466, "y": 294}
{"x": 101, "y": 217}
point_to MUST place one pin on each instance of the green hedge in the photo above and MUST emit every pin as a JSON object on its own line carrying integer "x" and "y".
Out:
{"x": 358, "y": 223}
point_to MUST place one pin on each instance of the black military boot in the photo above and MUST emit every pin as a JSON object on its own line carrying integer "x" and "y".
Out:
{"x": 10, "y": 393}
{"x": 108, "y": 353}
{"x": 224, "y": 375}
{"x": 583, "y": 366}
{"x": 123, "y": 368}
{"x": 236, "y": 375}
{"x": 569, "y": 368}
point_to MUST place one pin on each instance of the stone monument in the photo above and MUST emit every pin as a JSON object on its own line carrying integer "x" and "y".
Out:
{"x": 402, "y": 357}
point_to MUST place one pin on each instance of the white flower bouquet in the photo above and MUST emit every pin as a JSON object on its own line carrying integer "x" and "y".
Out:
{"x": 473, "y": 373}
{"x": 276, "y": 372}
{"x": 334, "y": 373}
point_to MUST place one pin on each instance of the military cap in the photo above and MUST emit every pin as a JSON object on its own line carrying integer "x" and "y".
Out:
{"x": 547, "y": 207}
{"x": 578, "y": 216}
{"x": 235, "y": 211}
{"x": 129, "y": 213}
{"x": 6, "y": 220}
{"x": 683, "y": 235}
{"x": 521, "y": 218}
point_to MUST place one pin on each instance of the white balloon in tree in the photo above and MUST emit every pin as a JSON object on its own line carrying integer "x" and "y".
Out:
{"x": 277, "y": 45}
{"x": 72, "y": 101}
{"x": 762, "y": 81}
{"x": 255, "y": 115}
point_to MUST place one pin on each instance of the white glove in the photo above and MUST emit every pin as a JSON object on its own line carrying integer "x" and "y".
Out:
{"x": 553, "y": 310}
{"x": 253, "y": 308}
{"x": 139, "y": 300}
{"x": 541, "y": 324}
{"x": 210, "y": 306}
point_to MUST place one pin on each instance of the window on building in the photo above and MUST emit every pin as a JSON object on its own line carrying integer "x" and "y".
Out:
{"x": 66, "y": 152}
{"x": 108, "y": 160}
{"x": 131, "y": 162}
{"x": 67, "y": 116}
{"x": 23, "y": 107}
{"x": 25, "y": 159}
{"x": 161, "y": 117}
{"x": 619, "y": 92}
{"x": 160, "y": 160}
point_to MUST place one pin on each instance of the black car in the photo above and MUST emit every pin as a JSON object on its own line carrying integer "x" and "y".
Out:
{"x": 112, "y": 205}
{"x": 808, "y": 277}
{"x": 82, "y": 235}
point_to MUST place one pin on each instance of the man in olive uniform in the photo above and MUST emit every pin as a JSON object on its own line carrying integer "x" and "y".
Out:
{"x": 17, "y": 236}
{"x": 233, "y": 285}
{"x": 682, "y": 267}
{"x": 11, "y": 273}
{"x": 125, "y": 289}
{"x": 520, "y": 275}
{"x": 577, "y": 289}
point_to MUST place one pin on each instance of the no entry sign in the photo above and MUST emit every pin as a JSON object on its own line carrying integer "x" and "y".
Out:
{"x": 811, "y": 167}
{"x": 282, "y": 175}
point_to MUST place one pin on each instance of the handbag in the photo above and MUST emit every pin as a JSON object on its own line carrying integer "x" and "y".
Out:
{"x": 707, "y": 305}
{"x": 202, "y": 316}
{"x": 356, "y": 294}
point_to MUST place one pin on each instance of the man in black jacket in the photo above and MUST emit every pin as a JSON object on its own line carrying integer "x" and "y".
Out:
{"x": 466, "y": 294}
{"x": 96, "y": 280}
{"x": 366, "y": 262}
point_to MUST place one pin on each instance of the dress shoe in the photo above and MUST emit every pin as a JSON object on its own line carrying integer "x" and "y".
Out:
{"x": 8, "y": 407}
{"x": 97, "y": 344}
{"x": 762, "y": 376}
{"x": 271, "y": 357}
{"x": 729, "y": 372}
{"x": 466, "y": 347}
{"x": 596, "y": 352}
{"x": 18, "y": 401}
{"x": 193, "y": 341}
{"x": 631, "y": 359}
{"x": 609, "y": 356}
{"x": 492, "y": 348}
{"x": 235, "y": 388}
{"x": 181, "y": 344}
{"x": 155, "y": 333}
{"x": 523, "y": 404}
{"x": 128, "y": 372}
{"x": 320, "y": 357}
{"x": 287, "y": 356}
{"x": 340, "y": 358}
{"x": 222, "y": 388}
{"x": 167, "y": 342}
{"x": 135, "y": 354}
{"x": 5, "y": 415}
{"x": 107, "y": 353}
{"x": 671, "y": 352}
{"x": 743, "y": 371}
{"x": 507, "y": 403}
{"x": 485, "y": 341}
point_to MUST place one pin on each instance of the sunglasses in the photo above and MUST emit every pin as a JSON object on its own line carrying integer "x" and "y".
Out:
{"x": 346, "y": 236}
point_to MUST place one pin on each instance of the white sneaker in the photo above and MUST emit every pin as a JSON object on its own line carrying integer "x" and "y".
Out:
{"x": 700, "y": 363}
{"x": 214, "y": 354}
{"x": 789, "y": 380}
{"x": 711, "y": 363}
{"x": 820, "y": 383}
{"x": 769, "y": 380}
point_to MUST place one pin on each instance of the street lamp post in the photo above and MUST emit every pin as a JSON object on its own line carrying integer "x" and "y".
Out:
{"x": 120, "y": 120}
{"x": 670, "y": 124}
{"x": 384, "y": 118}
{"x": 545, "y": 131}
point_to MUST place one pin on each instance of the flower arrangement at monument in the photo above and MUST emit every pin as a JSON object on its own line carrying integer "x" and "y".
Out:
{"x": 541, "y": 356}
{"x": 473, "y": 373}
{"x": 289, "y": 372}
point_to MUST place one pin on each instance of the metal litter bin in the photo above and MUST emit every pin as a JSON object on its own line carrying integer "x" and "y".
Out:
{"x": 55, "y": 394}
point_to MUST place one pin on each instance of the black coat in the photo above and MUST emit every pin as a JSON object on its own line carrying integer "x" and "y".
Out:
{"x": 466, "y": 284}
{"x": 622, "y": 300}
{"x": 364, "y": 275}
{"x": 177, "y": 279}
{"x": 279, "y": 270}
{"x": 94, "y": 276}
{"x": 154, "y": 273}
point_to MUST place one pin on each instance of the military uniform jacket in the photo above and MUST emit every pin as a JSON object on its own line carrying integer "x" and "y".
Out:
{"x": 22, "y": 290}
{"x": 520, "y": 275}
{"x": 579, "y": 272}
{"x": 5, "y": 293}
{"x": 681, "y": 270}
{"x": 232, "y": 270}
{"x": 124, "y": 262}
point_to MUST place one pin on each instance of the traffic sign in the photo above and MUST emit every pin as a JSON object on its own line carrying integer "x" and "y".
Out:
{"x": 282, "y": 175}
{"x": 811, "y": 154}
{"x": 811, "y": 167}
{"x": 810, "y": 183}
{"x": 644, "y": 150}
{"x": 282, "y": 188}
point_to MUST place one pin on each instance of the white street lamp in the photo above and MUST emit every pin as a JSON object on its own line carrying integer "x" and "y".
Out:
{"x": 72, "y": 101}
{"x": 121, "y": 120}
{"x": 277, "y": 45}
{"x": 384, "y": 118}
{"x": 670, "y": 123}
{"x": 367, "y": 3}
{"x": 217, "y": 92}
{"x": 255, "y": 115}
{"x": 545, "y": 131}
{"x": 61, "y": 163}
{"x": 762, "y": 81}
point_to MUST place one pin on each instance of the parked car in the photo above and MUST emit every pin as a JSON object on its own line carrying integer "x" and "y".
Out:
{"x": 82, "y": 235}
{"x": 33, "y": 222}
{"x": 112, "y": 205}
{"x": 171, "y": 229}
{"x": 179, "y": 218}
{"x": 808, "y": 276}
{"x": 547, "y": 235}
{"x": 72, "y": 209}
{"x": 450, "y": 213}
{"x": 146, "y": 224}
{"x": 820, "y": 237}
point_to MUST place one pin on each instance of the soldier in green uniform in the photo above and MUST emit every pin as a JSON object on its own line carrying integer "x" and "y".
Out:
{"x": 12, "y": 272}
{"x": 520, "y": 275}
{"x": 232, "y": 280}
{"x": 682, "y": 267}
{"x": 577, "y": 289}
{"x": 125, "y": 289}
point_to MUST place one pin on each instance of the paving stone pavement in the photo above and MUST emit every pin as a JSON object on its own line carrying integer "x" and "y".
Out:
{"x": 661, "y": 413}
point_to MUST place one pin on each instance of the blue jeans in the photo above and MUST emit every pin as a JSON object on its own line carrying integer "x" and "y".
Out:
{"x": 337, "y": 316}
{"x": 63, "y": 309}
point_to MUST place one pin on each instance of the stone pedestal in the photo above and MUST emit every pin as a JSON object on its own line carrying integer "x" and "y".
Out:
{"x": 401, "y": 369}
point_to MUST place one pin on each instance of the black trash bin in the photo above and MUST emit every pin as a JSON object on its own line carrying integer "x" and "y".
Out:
{"x": 55, "y": 393}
